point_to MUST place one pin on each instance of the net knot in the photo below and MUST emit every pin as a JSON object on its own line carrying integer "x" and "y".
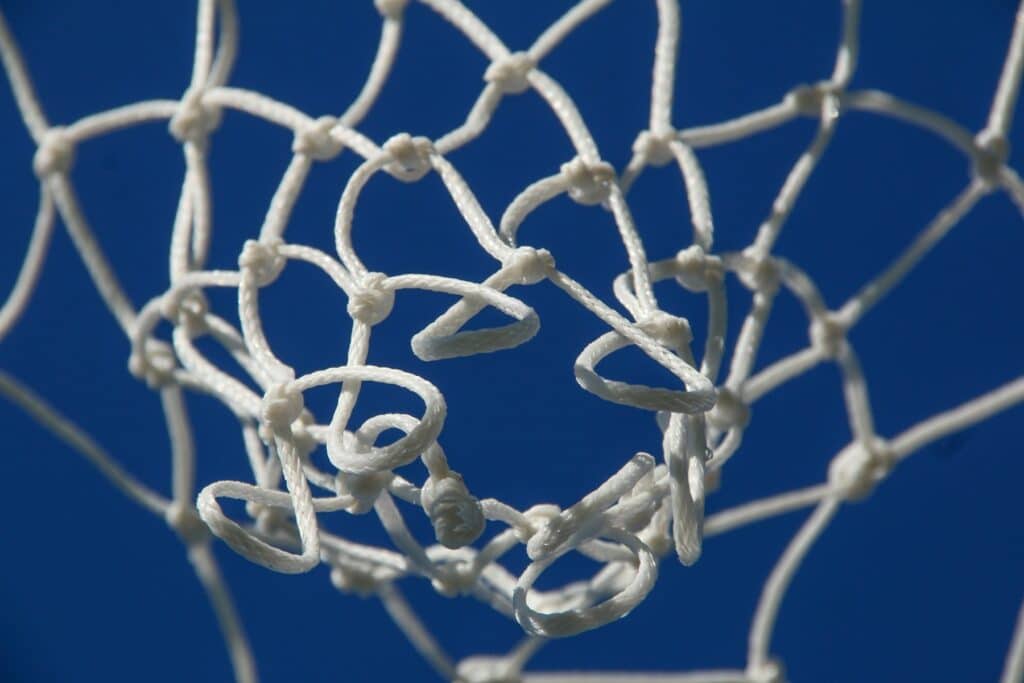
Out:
{"x": 194, "y": 120}
{"x": 858, "y": 468}
{"x": 456, "y": 514}
{"x": 991, "y": 150}
{"x": 451, "y": 581}
{"x": 589, "y": 183}
{"x": 535, "y": 519}
{"x": 730, "y": 411}
{"x": 410, "y": 157}
{"x": 821, "y": 99}
{"x": 655, "y": 148}
{"x": 186, "y": 523}
{"x": 696, "y": 270}
{"x": 771, "y": 671}
{"x": 669, "y": 330}
{"x": 372, "y": 301}
{"x": 487, "y": 670}
{"x": 315, "y": 140}
{"x": 282, "y": 405}
{"x": 657, "y": 536}
{"x": 758, "y": 273}
{"x": 269, "y": 520}
{"x": 391, "y": 9}
{"x": 561, "y": 528}
{"x": 55, "y": 154}
{"x": 530, "y": 265}
{"x": 356, "y": 580}
{"x": 827, "y": 334}
{"x": 187, "y": 310}
{"x": 154, "y": 363}
{"x": 262, "y": 260}
{"x": 807, "y": 99}
{"x": 512, "y": 73}
{"x": 364, "y": 488}
{"x": 304, "y": 441}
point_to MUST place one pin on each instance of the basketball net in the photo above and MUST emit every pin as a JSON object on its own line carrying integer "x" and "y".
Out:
{"x": 652, "y": 508}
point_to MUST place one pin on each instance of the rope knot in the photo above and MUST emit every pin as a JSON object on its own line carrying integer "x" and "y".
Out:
{"x": 316, "y": 142}
{"x": 456, "y": 514}
{"x": 655, "y": 148}
{"x": 512, "y": 73}
{"x": 304, "y": 441}
{"x": 390, "y": 9}
{"x": 186, "y": 522}
{"x": 410, "y": 157}
{"x": 487, "y": 670}
{"x": 758, "y": 273}
{"x": 262, "y": 261}
{"x": 187, "y": 310}
{"x": 282, "y": 405}
{"x": 696, "y": 270}
{"x": 806, "y": 99}
{"x": 536, "y": 519}
{"x": 827, "y": 334}
{"x": 991, "y": 150}
{"x": 530, "y": 265}
{"x": 771, "y": 671}
{"x": 372, "y": 301}
{"x": 358, "y": 580}
{"x": 451, "y": 581}
{"x": 589, "y": 184}
{"x": 557, "y": 530}
{"x": 55, "y": 154}
{"x": 364, "y": 488}
{"x": 194, "y": 120}
{"x": 820, "y": 99}
{"x": 669, "y": 330}
{"x": 269, "y": 520}
{"x": 857, "y": 469}
{"x": 154, "y": 363}
{"x": 729, "y": 411}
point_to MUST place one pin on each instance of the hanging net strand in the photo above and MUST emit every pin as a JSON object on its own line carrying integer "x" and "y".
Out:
{"x": 652, "y": 507}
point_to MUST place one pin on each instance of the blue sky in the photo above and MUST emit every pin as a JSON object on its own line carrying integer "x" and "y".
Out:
{"x": 921, "y": 582}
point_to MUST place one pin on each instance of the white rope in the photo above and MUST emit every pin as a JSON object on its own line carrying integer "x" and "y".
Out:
{"x": 641, "y": 513}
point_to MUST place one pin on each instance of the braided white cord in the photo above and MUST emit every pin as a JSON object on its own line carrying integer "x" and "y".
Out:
{"x": 642, "y": 512}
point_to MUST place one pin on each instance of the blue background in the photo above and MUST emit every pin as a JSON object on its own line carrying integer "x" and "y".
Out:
{"x": 919, "y": 583}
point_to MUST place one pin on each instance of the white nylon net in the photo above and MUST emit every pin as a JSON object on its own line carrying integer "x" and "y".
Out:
{"x": 649, "y": 510}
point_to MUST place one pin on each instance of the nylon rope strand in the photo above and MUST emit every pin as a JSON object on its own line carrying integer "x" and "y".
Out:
{"x": 652, "y": 507}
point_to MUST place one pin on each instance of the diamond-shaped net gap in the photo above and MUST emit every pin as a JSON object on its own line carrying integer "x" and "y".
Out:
{"x": 294, "y": 321}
